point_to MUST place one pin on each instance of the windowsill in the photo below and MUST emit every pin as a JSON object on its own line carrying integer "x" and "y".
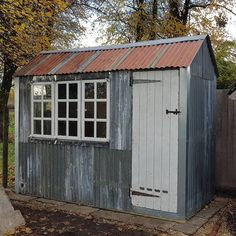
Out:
{"x": 61, "y": 141}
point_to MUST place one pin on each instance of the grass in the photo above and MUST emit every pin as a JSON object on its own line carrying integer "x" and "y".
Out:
{"x": 11, "y": 151}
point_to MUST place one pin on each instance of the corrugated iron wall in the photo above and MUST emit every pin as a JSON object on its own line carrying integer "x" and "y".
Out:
{"x": 74, "y": 173}
{"x": 200, "y": 133}
{"x": 225, "y": 141}
{"x": 93, "y": 173}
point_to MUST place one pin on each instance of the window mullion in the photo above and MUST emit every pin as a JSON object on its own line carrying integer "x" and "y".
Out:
{"x": 79, "y": 118}
{"x": 108, "y": 110}
{"x": 42, "y": 110}
{"x": 95, "y": 109}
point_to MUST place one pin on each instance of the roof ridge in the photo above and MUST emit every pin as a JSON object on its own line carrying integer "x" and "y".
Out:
{"x": 130, "y": 45}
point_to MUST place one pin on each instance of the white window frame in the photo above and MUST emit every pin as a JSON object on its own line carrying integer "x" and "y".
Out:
{"x": 42, "y": 119}
{"x": 81, "y": 110}
{"x": 67, "y": 119}
{"x": 95, "y": 119}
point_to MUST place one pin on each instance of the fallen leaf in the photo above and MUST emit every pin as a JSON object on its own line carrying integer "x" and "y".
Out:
{"x": 66, "y": 223}
{"x": 51, "y": 230}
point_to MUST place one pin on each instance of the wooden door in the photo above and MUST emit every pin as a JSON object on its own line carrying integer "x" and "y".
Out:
{"x": 155, "y": 140}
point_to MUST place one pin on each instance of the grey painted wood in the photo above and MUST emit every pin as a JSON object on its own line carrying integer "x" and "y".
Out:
{"x": 121, "y": 111}
{"x": 225, "y": 141}
{"x": 182, "y": 139}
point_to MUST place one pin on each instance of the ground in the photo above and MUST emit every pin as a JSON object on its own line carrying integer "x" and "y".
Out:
{"x": 54, "y": 222}
{"x": 48, "y": 217}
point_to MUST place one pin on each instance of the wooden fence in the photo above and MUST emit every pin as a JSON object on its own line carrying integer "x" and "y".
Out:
{"x": 226, "y": 141}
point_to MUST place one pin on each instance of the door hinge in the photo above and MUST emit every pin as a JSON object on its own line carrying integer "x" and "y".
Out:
{"x": 142, "y": 81}
{"x": 175, "y": 112}
{"x": 136, "y": 193}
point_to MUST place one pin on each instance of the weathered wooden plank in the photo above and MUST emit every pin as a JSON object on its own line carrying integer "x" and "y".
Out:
{"x": 151, "y": 122}
{"x": 225, "y": 141}
{"x": 174, "y": 96}
{"x": 165, "y": 162}
{"x": 158, "y": 130}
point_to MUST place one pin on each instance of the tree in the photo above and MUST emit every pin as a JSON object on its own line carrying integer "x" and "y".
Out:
{"x": 226, "y": 62}
{"x": 129, "y": 21}
{"x": 26, "y": 28}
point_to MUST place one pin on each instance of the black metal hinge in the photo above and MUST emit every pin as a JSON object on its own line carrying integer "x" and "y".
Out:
{"x": 175, "y": 112}
{"x": 143, "y": 194}
{"x": 142, "y": 81}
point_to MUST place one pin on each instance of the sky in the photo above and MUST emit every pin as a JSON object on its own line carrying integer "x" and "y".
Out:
{"x": 232, "y": 25}
{"x": 89, "y": 39}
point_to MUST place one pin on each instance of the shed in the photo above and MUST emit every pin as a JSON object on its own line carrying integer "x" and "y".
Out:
{"x": 126, "y": 127}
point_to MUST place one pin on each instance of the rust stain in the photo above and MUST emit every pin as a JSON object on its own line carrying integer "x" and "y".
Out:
{"x": 106, "y": 60}
{"x": 50, "y": 63}
{"x": 170, "y": 55}
{"x": 75, "y": 63}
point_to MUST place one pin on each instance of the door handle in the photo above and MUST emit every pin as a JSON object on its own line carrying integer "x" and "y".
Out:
{"x": 175, "y": 112}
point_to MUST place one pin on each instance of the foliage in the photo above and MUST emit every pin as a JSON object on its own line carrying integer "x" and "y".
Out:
{"x": 226, "y": 62}
{"x": 30, "y": 26}
{"x": 11, "y": 167}
{"x": 26, "y": 28}
{"x": 129, "y": 21}
{"x": 11, "y": 151}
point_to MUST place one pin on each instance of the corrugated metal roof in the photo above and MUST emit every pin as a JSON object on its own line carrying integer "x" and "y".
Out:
{"x": 155, "y": 54}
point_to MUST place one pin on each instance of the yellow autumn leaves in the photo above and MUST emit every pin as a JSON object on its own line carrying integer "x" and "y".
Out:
{"x": 28, "y": 26}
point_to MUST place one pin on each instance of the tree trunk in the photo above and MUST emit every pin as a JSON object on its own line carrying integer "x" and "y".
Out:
{"x": 8, "y": 72}
{"x": 185, "y": 12}
{"x": 140, "y": 21}
{"x": 154, "y": 21}
{"x": 5, "y": 145}
{"x": 174, "y": 6}
{"x": 1, "y": 122}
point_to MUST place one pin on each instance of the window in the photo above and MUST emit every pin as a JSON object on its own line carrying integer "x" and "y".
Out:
{"x": 42, "y": 109}
{"x": 68, "y": 107}
{"x": 95, "y": 110}
{"x": 81, "y": 110}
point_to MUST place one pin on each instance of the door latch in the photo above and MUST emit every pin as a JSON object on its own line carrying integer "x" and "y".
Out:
{"x": 175, "y": 112}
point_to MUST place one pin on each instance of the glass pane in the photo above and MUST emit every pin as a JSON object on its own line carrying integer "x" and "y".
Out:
{"x": 47, "y": 109}
{"x": 101, "y": 129}
{"x": 101, "y": 110}
{"x": 61, "y": 91}
{"x": 102, "y": 90}
{"x": 89, "y": 109}
{"x": 37, "y": 126}
{"x": 47, "y": 127}
{"x": 47, "y": 91}
{"x": 72, "y": 128}
{"x": 73, "y": 110}
{"x": 61, "y": 127}
{"x": 89, "y": 90}
{"x": 73, "y": 91}
{"x": 89, "y": 129}
{"x": 61, "y": 109}
{"x": 37, "y": 91}
{"x": 37, "y": 109}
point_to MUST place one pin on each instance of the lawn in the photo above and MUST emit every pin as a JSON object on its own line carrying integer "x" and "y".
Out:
{"x": 11, "y": 150}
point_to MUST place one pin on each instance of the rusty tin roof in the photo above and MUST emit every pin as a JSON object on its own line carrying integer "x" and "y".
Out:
{"x": 155, "y": 54}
